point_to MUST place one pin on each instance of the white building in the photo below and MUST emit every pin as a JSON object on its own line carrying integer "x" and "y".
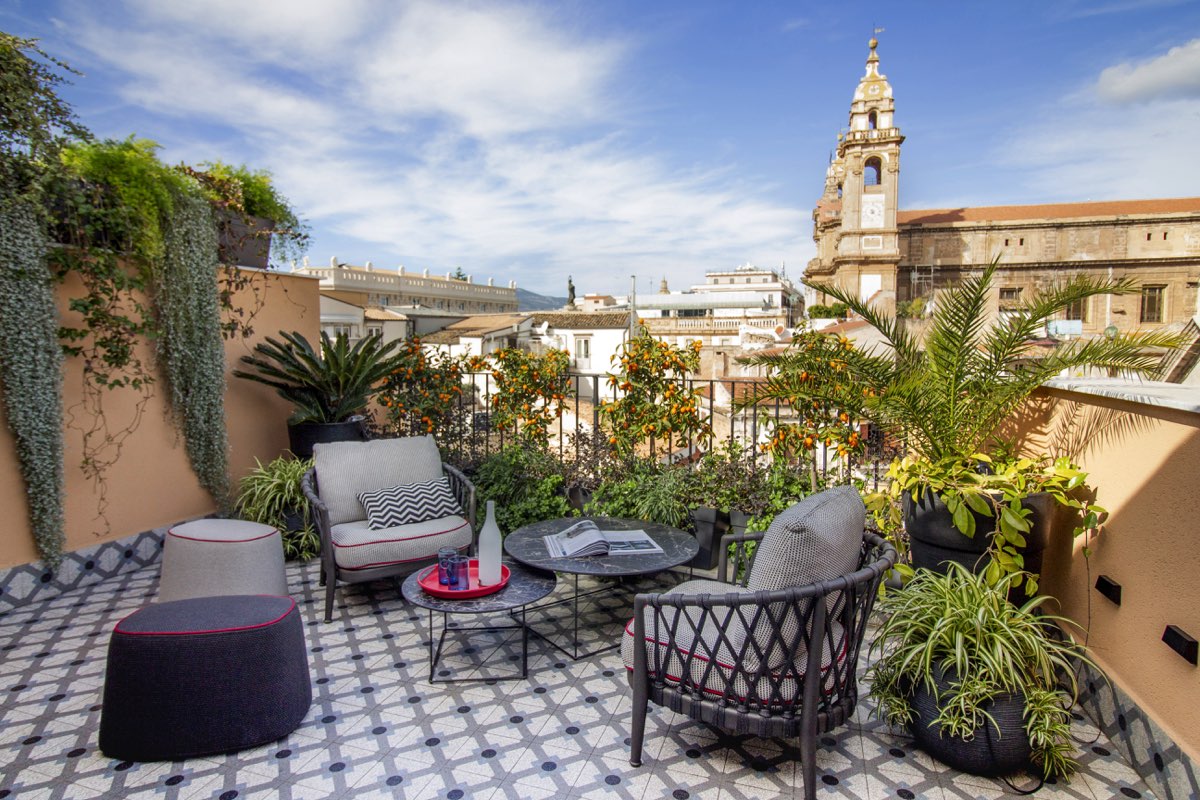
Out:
{"x": 373, "y": 286}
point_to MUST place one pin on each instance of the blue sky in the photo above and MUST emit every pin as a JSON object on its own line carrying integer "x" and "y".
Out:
{"x": 530, "y": 141}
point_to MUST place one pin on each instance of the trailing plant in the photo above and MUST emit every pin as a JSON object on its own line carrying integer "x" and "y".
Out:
{"x": 190, "y": 349}
{"x": 31, "y": 371}
{"x": 270, "y": 493}
{"x": 529, "y": 393}
{"x": 328, "y": 387}
{"x": 963, "y": 626}
{"x": 655, "y": 402}
{"x": 526, "y": 483}
{"x": 422, "y": 390}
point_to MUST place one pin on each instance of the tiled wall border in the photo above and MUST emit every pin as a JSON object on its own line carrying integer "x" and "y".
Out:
{"x": 30, "y": 583}
{"x": 1169, "y": 772}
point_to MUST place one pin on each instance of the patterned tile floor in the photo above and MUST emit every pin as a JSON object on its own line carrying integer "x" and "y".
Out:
{"x": 377, "y": 728}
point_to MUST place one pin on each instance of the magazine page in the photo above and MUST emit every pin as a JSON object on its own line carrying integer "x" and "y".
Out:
{"x": 637, "y": 542}
{"x": 581, "y": 539}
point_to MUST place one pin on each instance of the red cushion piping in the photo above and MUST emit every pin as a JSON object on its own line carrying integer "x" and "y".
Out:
{"x": 278, "y": 619}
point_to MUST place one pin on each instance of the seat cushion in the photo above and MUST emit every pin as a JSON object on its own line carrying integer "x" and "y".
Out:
{"x": 357, "y": 546}
{"x": 817, "y": 539}
{"x": 409, "y": 503}
{"x": 346, "y": 469}
{"x": 717, "y": 665}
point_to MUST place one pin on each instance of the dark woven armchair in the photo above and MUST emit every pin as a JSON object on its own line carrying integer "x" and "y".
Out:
{"x": 774, "y": 661}
{"x": 352, "y": 551}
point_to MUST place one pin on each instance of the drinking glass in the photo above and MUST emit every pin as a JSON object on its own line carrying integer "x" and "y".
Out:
{"x": 444, "y": 556}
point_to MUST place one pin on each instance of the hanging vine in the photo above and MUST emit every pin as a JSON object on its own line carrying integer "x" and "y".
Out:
{"x": 190, "y": 348}
{"x": 31, "y": 371}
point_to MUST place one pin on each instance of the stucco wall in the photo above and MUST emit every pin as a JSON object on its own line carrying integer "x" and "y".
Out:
{"x": 151, "y": 483}
{"x": 1144, "y": 461}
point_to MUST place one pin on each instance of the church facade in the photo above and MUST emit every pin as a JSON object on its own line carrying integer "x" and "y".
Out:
{"x": 891, "y": 256}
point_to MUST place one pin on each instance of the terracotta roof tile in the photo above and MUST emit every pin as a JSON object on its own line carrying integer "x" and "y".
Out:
{"x": 1108, "y": 208}
{"x": 583, "y": 319}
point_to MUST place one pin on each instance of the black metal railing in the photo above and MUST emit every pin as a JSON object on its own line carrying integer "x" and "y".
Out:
{"x": 468, "y": 435}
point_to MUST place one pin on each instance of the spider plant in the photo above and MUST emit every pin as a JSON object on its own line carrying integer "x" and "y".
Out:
{"x": 270, "y": 494}
{"x": 958, "y": 637}
{"x": 327, "y": 387}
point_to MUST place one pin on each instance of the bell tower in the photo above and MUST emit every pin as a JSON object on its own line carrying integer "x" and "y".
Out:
{"x": 857, "y": 239}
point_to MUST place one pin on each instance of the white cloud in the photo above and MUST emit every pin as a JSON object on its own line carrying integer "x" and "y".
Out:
{"x": 442, "y": 133}
{"x": 1174, "y": 74}
{"x": 1085, "y": 147}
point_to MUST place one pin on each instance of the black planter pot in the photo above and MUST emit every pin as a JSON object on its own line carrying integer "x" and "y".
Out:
{"x": 302, "y": 437}
{"x": 994, "y": 750}
{"x": 933, "y": 539}
{"x": 710, "y": 525}
{"x": 578, "y": 497}
{"x": 295, "y": 520}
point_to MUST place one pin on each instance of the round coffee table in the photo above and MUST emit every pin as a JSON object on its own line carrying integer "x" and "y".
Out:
{"x": 528, "y": 546}
{"x": 525, "y": 586}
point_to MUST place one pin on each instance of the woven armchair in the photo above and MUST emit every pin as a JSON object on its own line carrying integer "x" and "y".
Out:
{"x": 771, "y": 662}
{"x": 353, "y": 552}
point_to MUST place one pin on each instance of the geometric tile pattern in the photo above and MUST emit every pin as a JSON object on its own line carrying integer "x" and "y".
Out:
{"x": 378, "y": 729}
{"x": 31, "y": 583}
{"x": 1138, "y": 738}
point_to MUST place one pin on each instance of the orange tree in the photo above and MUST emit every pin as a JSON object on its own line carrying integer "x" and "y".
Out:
{"x": 820, "y": 376}
{"x": 421, "y": 393}
{"x": 656, "y": 402}
{"x": 530, "y": 390}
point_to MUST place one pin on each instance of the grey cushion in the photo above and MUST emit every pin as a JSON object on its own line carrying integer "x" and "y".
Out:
{"x": 409, "y": 503}
{"x": 818, "y": 539}
{"x": 346, "y": 469}
{"x": 357, "y": 546}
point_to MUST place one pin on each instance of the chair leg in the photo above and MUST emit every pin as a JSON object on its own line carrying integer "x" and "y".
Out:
{"x": 330, "y": 585}
{"x": 637, "y": 731}
{"x": 322, "y": 581}
{"x": 808, "y": 763}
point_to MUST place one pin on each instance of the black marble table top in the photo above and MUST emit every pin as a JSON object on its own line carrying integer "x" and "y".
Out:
{"x": 524, "y": 586}
{"x": 527, "y": 546}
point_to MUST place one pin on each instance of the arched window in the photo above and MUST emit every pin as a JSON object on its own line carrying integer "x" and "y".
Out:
{"x": 840, "y": 196}
{"x": 871, "y": 171}
{"x": 873, "y": 120}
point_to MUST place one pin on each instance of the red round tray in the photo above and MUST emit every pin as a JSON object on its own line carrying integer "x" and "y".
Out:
{"x": 429, "y": 582}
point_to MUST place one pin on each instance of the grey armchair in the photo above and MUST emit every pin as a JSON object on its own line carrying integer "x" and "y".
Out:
{"x": 352, "y": 551}
{"x": 776, "y": 654}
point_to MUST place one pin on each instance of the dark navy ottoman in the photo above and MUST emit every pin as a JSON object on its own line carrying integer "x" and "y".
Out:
{"x": 204, "y": 675}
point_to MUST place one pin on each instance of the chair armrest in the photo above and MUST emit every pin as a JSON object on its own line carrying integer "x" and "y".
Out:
{"x": 320, "y": 516}
{"x": 742, "y": 561}
{"x": 464, "y": 491}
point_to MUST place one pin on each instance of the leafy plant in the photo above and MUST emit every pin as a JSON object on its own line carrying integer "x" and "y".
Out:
{"x": 661, "y": 497}
{"x": 252, "y": 193}
{"x": 655, "y": 402}
{"x": 270, "y": 494}
{"x": 526, "y": 483}
{"x": 833, "y": 311}
{"x": 530, "y": 390}
{"x": 329, "y": 387}
{"x": 963, "y": 626}
{"x": 948, "y": 396}
{"x": 420, "y": 391}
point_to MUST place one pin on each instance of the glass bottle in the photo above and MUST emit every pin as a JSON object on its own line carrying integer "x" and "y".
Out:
{"x": 489, "y": 548}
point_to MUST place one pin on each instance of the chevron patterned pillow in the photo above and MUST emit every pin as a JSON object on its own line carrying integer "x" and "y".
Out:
{"x": 412, "y": 502}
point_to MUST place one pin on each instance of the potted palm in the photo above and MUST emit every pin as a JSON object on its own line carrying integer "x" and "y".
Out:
{"x": 975, "y": 678}
{"x": 948, "y": 397}
{"x": 329, "y": 390}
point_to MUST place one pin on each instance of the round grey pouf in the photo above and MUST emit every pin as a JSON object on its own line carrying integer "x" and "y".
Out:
{"x": 213, "y": 557}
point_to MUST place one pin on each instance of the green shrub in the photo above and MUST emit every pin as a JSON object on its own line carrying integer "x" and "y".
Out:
{"x": 527, "y": 485}
{"x": 835, "y": 311}
{"x": 270, "y": 493}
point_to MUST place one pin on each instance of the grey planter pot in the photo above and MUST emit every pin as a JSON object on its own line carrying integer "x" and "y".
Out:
{"x": 709, "y": 525}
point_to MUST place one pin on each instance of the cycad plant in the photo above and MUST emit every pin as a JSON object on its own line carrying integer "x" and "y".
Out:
{"x": 328, "y": 387}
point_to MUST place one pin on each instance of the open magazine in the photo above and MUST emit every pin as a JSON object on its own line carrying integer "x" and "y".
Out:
{"x": 584, "y": 538}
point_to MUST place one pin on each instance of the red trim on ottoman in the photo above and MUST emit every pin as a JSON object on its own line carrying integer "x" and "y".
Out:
{"x": 272, "y": 532}
{"x": 213, "y": 630}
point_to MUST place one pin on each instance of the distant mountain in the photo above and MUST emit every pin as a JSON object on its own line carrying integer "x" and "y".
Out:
{"x": 532, "y": 301}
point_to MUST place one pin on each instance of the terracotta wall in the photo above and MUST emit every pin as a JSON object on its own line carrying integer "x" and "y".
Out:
{"x": 151, "y": 484}
{"x": 1144, "y": 461}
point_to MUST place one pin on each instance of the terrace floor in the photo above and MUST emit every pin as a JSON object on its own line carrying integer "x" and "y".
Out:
{"x": 377, "y": 728}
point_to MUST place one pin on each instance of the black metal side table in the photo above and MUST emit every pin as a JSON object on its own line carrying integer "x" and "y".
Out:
{"x": 528, "y": 546}
{"x": 525, "y": 585}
